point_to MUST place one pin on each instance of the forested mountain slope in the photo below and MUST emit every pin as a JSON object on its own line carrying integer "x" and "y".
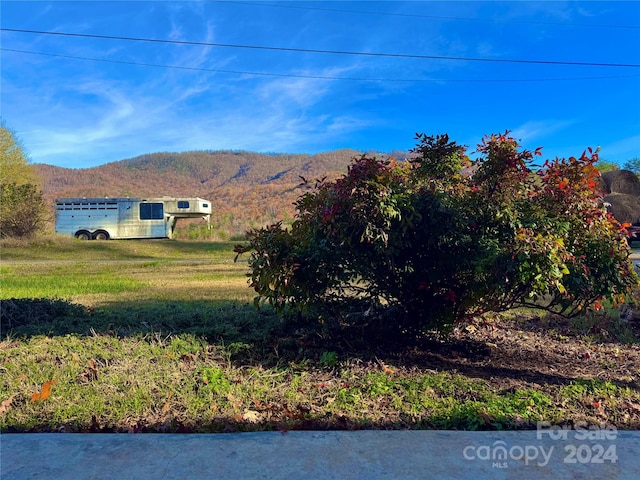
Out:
{"x": 188, "y": 174}
{"x": 246, "y": 189}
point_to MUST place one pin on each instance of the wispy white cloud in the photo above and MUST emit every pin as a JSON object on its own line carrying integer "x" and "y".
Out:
{"x": 302, "y": 92}
{"x": 539, "y": 129}
{"x": 277, "y": 115}
{"x": 622, "y": 150}
{"x": 539, "y": 11}
{"x": 82, "y": 113}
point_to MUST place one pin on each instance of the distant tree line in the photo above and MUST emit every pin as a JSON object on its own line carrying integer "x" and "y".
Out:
{"x": 633, "y": 165}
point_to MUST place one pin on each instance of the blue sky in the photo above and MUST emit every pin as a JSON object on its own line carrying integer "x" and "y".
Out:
{"x": 561, "y": 75}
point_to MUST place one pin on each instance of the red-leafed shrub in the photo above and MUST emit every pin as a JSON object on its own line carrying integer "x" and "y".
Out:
{"x": 441, "y": 237}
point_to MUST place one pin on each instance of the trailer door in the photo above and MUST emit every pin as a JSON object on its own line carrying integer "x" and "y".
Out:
{"x": 153, "y": 220}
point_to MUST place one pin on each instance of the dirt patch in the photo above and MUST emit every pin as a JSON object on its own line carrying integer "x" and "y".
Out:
{"x": 517, "y": 352}
{"x": 511, "y": 354}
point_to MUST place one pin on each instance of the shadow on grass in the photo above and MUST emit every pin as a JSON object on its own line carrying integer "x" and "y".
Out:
{"x": 216, "y": 321}
{"x": 605, "y": 326}
{"x": 265, "y": 339}
{"x": 269, "y": 340}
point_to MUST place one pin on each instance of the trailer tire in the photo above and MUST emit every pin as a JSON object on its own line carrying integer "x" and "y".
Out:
{"x": 83, "y": 235}
{"x": 101, "y": 235}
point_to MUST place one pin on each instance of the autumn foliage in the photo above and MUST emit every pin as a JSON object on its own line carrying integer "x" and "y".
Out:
{"x": 246, "y": 189}
{"x": 441, "y": 237}
{"x": 22, "y": 209}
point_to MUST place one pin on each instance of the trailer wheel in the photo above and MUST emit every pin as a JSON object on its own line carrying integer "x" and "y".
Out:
{"x": 83, "y": 235}
{"x": 101, "y": 235}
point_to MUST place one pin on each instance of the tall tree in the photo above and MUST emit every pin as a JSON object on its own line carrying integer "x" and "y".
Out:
{"x": 22, "y": 208}
{"x": 14, "y": 162}
{"x": 633, "y": 165}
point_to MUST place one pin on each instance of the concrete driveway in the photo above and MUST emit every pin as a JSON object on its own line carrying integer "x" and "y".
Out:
{"x": 547, "y": 453}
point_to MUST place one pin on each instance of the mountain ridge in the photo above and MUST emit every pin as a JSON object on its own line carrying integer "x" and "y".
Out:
{"x": 193, "y": 173}
{"x": 246, "y": 189}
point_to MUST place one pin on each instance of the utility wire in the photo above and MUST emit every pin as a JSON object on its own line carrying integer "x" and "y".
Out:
{"x": 334, "y": 52}
{"x": 319, "y": 77}
{"x": 435, "y": 17}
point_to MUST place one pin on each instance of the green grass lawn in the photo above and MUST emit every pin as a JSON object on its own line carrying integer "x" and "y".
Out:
{"x": 162, "y": 336}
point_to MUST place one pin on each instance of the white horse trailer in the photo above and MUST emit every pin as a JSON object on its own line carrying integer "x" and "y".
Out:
{"x": 122, "y": 218}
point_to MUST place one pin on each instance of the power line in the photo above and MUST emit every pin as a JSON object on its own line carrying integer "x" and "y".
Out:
{"x": 318, "y": 77}
{"x": 333, "y": 52}
{"x": 434, "y": 17}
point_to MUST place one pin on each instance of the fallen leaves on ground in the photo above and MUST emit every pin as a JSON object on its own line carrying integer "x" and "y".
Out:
{"x": 6, "y": 405}
{"x": 90, "y": 372}
{"x": 167, "y": 405}
{"x": 44, "y": 392}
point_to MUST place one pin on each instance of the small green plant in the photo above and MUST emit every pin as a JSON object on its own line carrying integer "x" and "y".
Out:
{"x": 379, "y": 383}
{"x": 215, "y": 380}
{"x": 185, "y": 345}
{"x": 237, "y": 347}
{"x": 329, "y": 359}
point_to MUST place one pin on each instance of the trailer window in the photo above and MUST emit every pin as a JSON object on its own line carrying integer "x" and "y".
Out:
{"x": 183, "y": 204}
{"x": 151, "y": 211}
